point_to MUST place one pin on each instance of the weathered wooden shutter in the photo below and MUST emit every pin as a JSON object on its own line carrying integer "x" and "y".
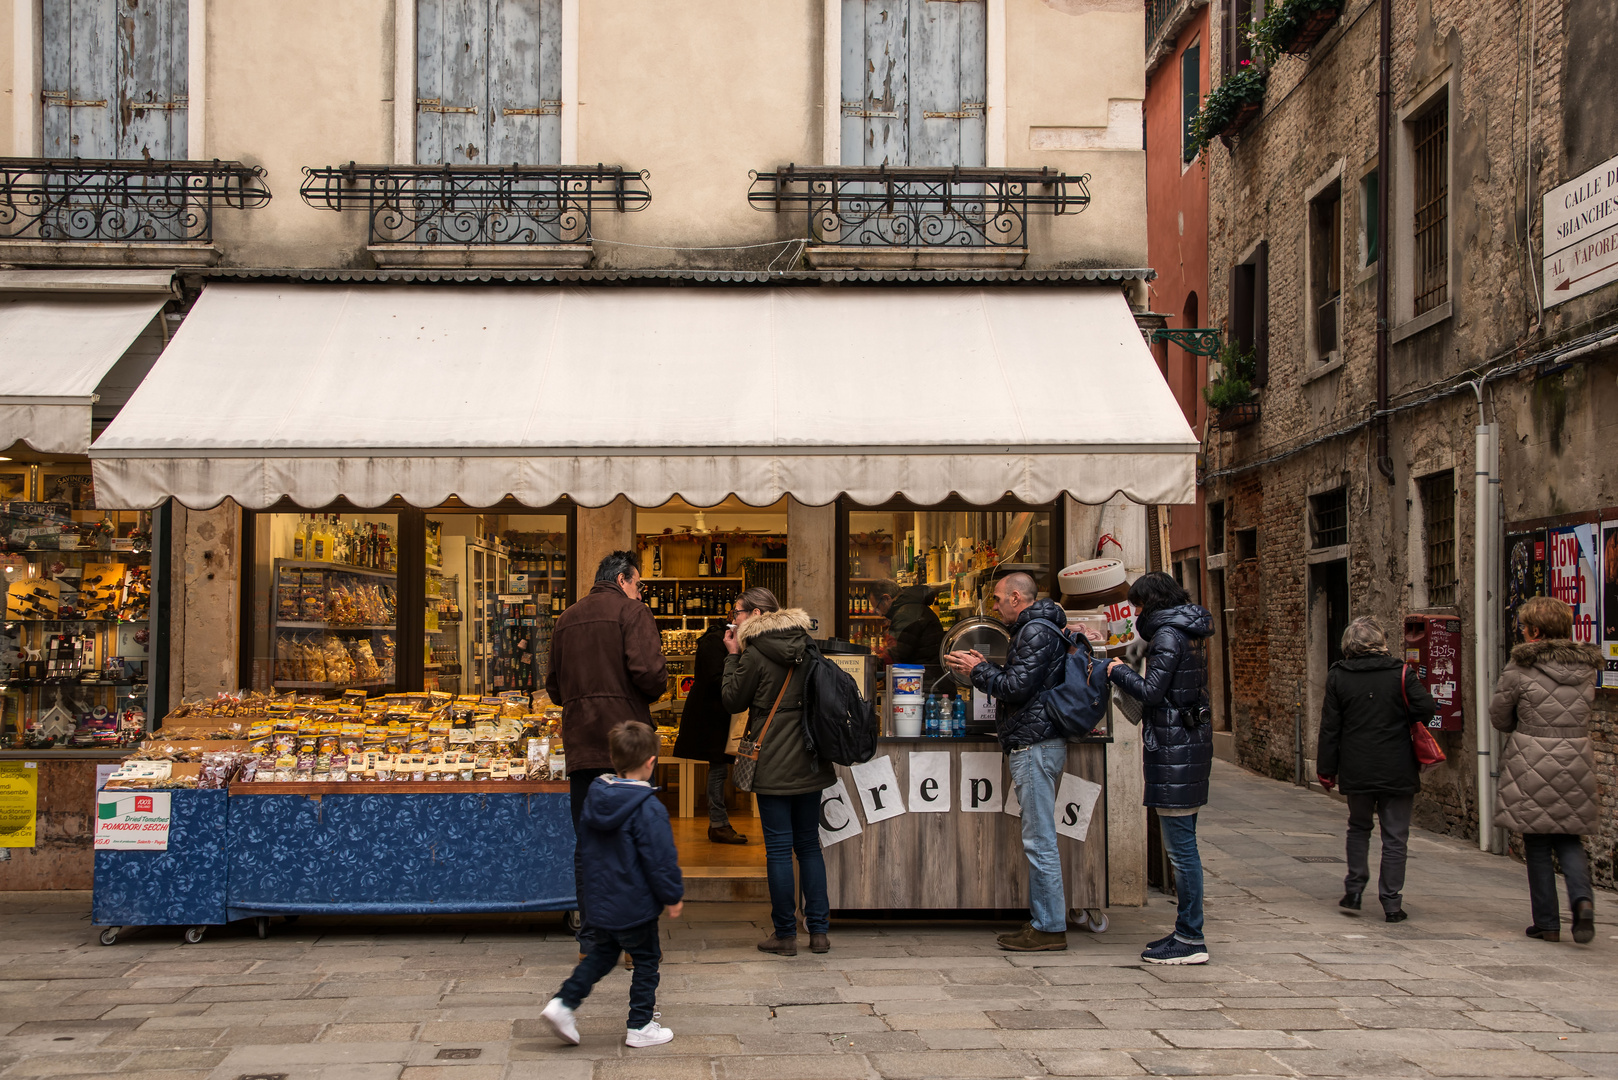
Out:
{"x": 1261, "y": 314}
{"x": 488, "y": 82}
{"x": 914, "y": 82}
{"x": 115, "y": 78}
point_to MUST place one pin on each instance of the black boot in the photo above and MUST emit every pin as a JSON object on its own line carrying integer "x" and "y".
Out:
{"x": 1584, "y": 921}
{"x": 1350, "y": 900}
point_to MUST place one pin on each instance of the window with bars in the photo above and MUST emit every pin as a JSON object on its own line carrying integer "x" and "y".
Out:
{"x": 1216, "y": 528}
{"x": 1438, "y": 522}
{"x": 1429, "y": 135}
{"x": 1328, "y": 519}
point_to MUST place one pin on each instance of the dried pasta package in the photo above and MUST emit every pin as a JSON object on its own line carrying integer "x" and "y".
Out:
{"x": 383, "y": 769}
{"x": 365, "y": 667}
{"x": 314, "y": 664}
{"x": 287, "y": 605}
{"x": 313, "y": 604}
{"x": 339, "y": 768}
{"x": 437, "y": 744}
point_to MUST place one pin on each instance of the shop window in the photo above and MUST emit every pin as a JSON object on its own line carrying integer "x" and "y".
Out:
{"x": 1429, "y": 152}
{"x": 1216, "y": 528}
{"x": 114, "y": 78}
{"x": 1190, "y": 97}
{"x": 488, "y": 82}
{"x": 1438, "y": 536}
{"x": 914, "y": 82}
{"x": 81, "y": 659}
{"x": 1325, "y": 270}
{"x": 1246, "y": 544}
{"x": 1328, "y": 519}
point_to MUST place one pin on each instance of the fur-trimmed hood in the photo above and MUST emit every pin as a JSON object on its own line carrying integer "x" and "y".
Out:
{"x": 1568, "y": 662}
{"x": 765, "y": 622}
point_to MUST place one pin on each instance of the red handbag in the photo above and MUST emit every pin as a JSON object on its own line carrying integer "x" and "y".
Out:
{"x": 1429, "y": 755}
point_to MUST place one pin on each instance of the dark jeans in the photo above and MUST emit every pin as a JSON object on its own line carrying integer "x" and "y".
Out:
{"x": 718, "y": 818}
{"x": 1180, "y": 841}
{"x": 791, "y": 824}
{"x": 578, "y": 784}
{"x": 1537, "y": 847}
{"x": 1393, "y": 812}
{"x": 642, "y": 944}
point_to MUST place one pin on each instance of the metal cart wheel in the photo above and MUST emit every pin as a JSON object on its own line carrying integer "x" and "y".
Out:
{"x": 572, "y": 921}
{"x": 1096, "y": 920}
{"x": 263, "y": 926}
{"x": 194, "y": 934}
{"x": 109, "y": 936}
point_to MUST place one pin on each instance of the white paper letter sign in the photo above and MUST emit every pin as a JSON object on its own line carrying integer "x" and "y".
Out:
{"x": 879, "y": 789}
{"x": 929, "y": 782}
{"x": 982, "y": 788}
{"x": 837, "y": 818}
{"x": 1075, "y": 802}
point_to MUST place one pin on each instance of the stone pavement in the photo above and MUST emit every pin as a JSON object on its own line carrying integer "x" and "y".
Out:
{"x": 1296, "y": 989}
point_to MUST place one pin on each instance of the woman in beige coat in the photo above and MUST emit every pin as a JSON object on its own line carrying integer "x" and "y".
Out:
{"x": 1547, "y": 768}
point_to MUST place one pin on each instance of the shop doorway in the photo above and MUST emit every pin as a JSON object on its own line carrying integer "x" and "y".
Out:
{"x": 1328, "y": 618}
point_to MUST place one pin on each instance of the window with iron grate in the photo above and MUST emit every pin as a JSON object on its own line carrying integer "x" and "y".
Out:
{"x": 1429, "y": 135}
{"x": 1438, "y": 526}
{"x": 1328, "y": 519}
{"x": 1216, "y": 528}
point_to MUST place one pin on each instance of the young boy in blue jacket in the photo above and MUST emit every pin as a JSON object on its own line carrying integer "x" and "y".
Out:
{"x": 631, "y": 873}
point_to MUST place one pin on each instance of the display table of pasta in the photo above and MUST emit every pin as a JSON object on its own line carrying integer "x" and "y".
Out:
{"x": 419, "y": 803}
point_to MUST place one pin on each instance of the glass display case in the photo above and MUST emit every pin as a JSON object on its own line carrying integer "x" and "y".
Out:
{"x": 77, "y": 649}
{"x": 334, "y": 627}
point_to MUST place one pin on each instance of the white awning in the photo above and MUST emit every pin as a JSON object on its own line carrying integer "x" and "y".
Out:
{"x": 315, "y": 392}
{"x": 56, "y": 351}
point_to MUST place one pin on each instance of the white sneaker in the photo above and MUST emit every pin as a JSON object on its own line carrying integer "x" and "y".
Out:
{"x": 653, "y": 1034}
{"x": 560, "y": 1017}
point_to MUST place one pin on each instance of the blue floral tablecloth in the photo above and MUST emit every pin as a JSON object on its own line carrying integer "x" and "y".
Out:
{"x": 183, "y": 886}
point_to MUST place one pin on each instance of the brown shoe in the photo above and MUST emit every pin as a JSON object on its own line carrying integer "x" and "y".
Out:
{"x": 781, "y": 946}
{"x": 819, "y": 943}
{"x": 726, "y": 835}
{"x": 1030, "y": 940}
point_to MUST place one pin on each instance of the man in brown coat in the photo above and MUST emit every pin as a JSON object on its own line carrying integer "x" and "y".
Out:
{"x": 1547, "y": 768}
{"x": 606, "y": 667}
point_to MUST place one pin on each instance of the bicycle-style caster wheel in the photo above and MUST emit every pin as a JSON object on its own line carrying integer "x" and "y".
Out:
{"x": 109, "y": 936}
{"x": 1095, "y": 920}
{"x": 573, "y": 922}
{"x": 263, "y": 922}
{"x": 194, "y": 934}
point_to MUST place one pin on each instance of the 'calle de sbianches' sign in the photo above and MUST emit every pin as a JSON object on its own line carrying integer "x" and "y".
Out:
{"x": 1581, "y": 234}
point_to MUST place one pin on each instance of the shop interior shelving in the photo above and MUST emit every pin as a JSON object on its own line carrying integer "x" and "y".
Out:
{"x": 382, "y": 636}
{"x": 444, "y": 621}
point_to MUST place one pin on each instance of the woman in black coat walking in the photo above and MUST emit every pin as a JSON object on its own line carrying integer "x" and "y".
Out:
{"x": 1370, "y": 704}
{"x": 705, "y": 729}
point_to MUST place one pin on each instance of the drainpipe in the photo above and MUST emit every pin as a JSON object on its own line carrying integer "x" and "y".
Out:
{"x": 1485, "y": 560}
{"x": 1384, "y": 157}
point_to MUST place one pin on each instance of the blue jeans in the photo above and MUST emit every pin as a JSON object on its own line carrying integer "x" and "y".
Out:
{"x": 1035, "y": 772}
{"x": 791, "y": 824}
{"x": 1180, "y": 841}
{"x": 642, "y": 945}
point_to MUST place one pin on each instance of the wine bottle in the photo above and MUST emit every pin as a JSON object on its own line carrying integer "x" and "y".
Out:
{"x": 702, "y": 560}
{"x": 657, "y": 560}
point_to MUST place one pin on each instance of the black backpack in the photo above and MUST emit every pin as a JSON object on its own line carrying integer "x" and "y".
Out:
{"x": 838, "y": 724}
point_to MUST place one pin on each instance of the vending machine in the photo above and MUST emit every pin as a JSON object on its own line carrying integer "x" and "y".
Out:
{"x": 1433, "y": 648}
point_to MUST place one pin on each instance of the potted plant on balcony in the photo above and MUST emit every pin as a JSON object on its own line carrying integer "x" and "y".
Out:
{"x": 1231, "y": 105}
{"x": 1295, "y": 26}
{"x": 1229, "y": 392}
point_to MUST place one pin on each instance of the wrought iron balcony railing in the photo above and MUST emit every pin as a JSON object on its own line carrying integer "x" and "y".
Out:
{"x": 75, "y": 200}
{"x": 477, "y": 204}
{"x": 1157, "y": 14}
{"x": 878, "y": 206}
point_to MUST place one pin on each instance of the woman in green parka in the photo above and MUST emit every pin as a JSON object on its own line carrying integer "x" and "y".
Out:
{"x": 766, "y": 649}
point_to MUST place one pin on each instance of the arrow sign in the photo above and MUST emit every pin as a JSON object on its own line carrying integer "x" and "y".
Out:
{"x": 1582, "y": 267}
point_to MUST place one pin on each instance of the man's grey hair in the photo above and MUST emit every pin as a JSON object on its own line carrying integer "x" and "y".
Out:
{"x": 617, "y": 563}
{"x": 1364, "y": 637}
{"x": 1021, "y": 584}
{"x": 885, "y": 587}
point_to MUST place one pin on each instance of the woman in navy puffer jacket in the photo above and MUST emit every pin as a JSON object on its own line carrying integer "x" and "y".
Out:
{"x": 1178, "y": 743}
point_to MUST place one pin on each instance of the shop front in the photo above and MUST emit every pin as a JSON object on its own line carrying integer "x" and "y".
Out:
{"x": 428, "y": 476}
{"x": 83, "y": 631}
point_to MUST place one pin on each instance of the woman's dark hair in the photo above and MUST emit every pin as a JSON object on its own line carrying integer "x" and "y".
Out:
{"x": 1154, "y": 592}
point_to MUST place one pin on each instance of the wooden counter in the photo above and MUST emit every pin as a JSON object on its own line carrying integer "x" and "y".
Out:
{"x": 957, "y": 860}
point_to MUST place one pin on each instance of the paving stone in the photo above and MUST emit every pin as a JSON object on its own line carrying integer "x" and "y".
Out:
{"x": 68, "y": 1064}
{"x": 1519, "y": 1021}
{"x": 1289, "y": 1019}
{"x": 1346, "y": 1062}
{"x": 654, "y": 1067}
{"x": 1034, "y": 1039}
{"x": 173, "y": 1059}
{"x": 1208, "y": 1062}
{"x": 795, "y": 1066}
{"x": 1089, "y": 1063}
{"x": 1236, "y": 1039}
{"x": 1594, "y": 1064}
{"x": 954, "y": 1063}
{"x": 1158, "y": 1018}
{"x": 367, "y": 1032}
{"x": 476, "y": 1071}
{"x": 1493, "y": 1063}
{"x": 464, "y": 1031}
{"x": 1066, "y": 1019}
{"x": 268, "y": 1035}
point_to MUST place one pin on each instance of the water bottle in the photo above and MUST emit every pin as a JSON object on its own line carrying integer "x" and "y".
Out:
{"x": 931, "y": 717}
{"x": 960, "y": 716}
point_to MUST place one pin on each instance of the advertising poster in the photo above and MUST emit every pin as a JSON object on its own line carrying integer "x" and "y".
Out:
{"x": 1572, "y": 578}
{"x": 1609, "y": 602}
{"x": 132, "y": 820}
{"x": 19, "y": 803}
{"x": 1525, "y": 577}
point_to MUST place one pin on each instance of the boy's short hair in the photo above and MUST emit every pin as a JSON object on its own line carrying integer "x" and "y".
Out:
{"x": 630, "y": 744}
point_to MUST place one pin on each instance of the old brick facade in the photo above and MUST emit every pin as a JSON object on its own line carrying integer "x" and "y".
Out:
{"x": 1513, "y": 88}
